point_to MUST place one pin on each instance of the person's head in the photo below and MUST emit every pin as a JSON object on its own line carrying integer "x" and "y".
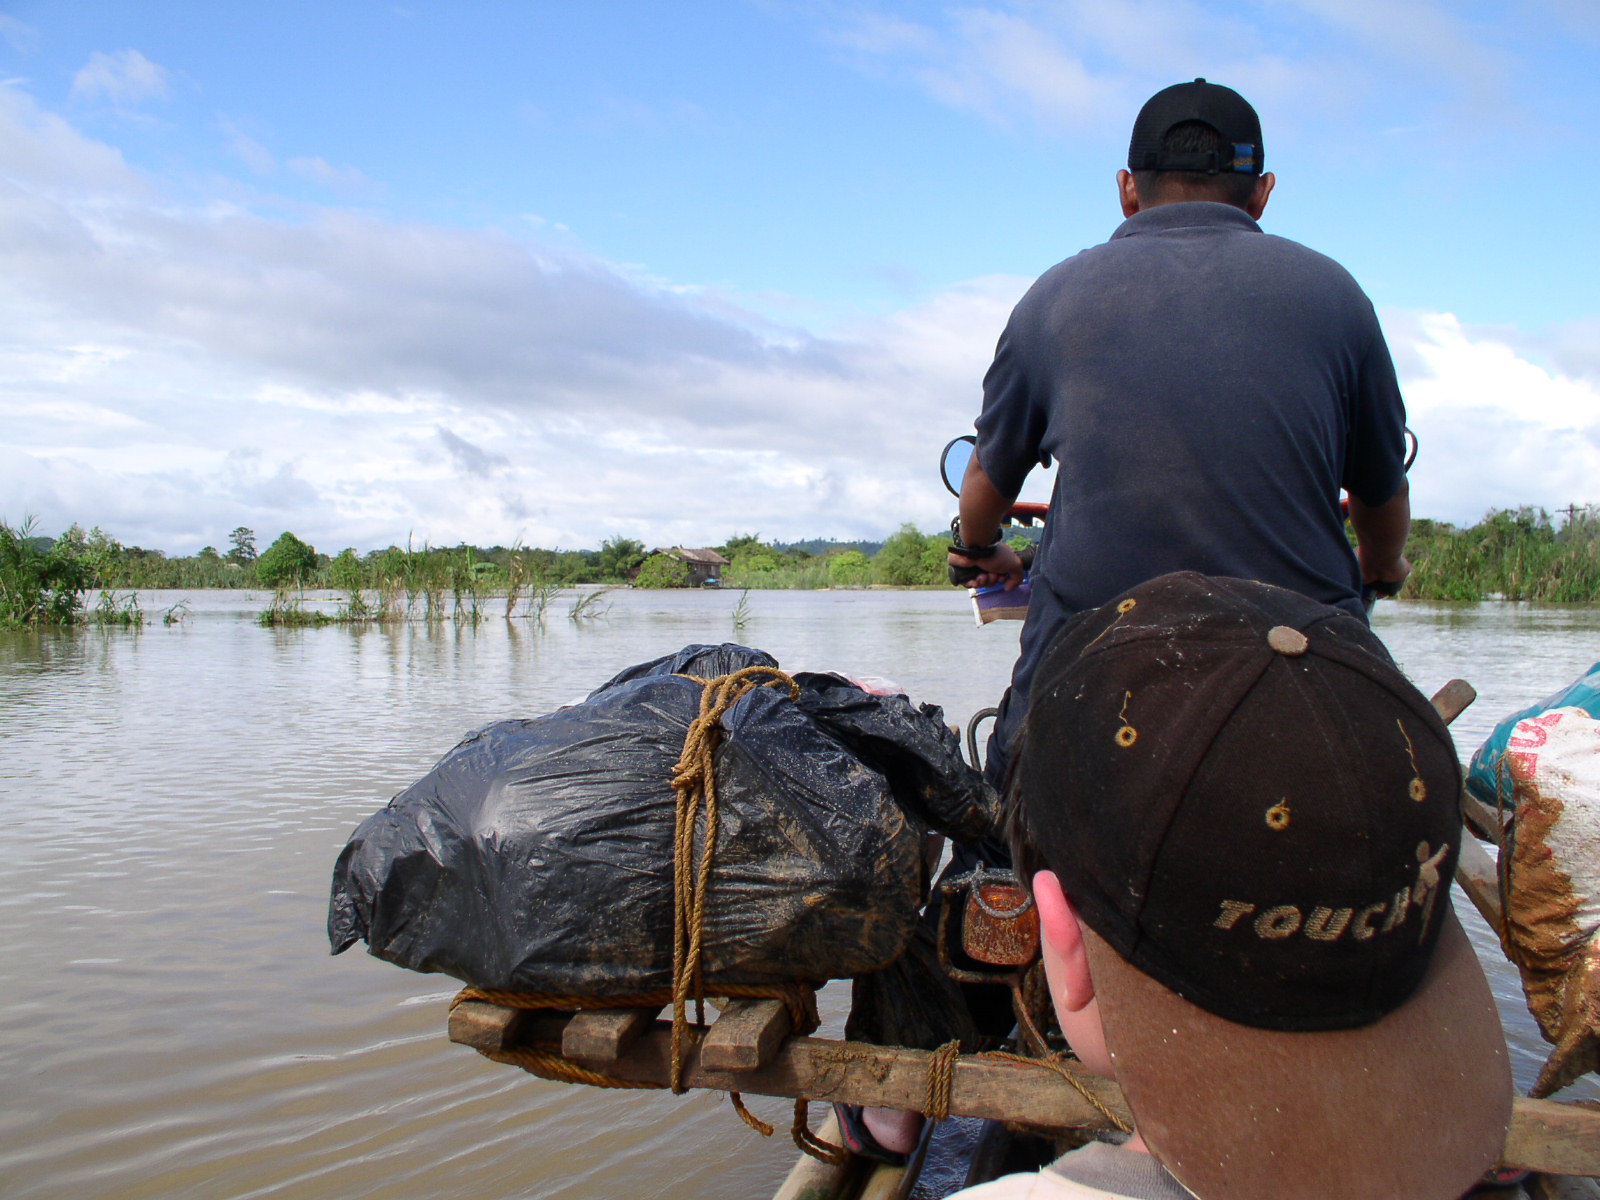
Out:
{"x": 1249, "y": 822}
{"x": 1196, "y": 141}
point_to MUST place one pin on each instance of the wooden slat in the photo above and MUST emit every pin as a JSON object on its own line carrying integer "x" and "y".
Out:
{"x": 1556, "y": 1138}
{"x": 1482, "y": 820}
{"x": 481, "y": 1026}
{"x": 1453, "y": 698}
{"x": 1476, "y": 876}
{"x": 746, "y": 1035}
{"x": 883, "y": 1184}
{"x": 488, "y": 1027}
{"x": 812, "y": 1179}
{"x": 602, "y": 1035}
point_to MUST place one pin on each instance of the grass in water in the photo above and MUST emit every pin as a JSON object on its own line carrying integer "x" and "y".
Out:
{"x": 115, "y": 609}
{"x": 288, "y": 611}
{"x": 588, "y": 606}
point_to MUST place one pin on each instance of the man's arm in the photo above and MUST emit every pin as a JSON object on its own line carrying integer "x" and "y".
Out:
{"x": 1381, "y": 534}
{"x": 983, "y": 506}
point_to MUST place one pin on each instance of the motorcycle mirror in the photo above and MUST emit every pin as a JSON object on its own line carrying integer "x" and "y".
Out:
{"x": 953, "y": 461}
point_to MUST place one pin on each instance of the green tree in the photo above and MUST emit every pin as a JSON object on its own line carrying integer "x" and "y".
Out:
{"x": 904, "y": 560}
{"x": 345, "y": 572}
{"x": 618, "y": 556}
{"x": 849, "y": 568}
{"x": 748, "y": 555}
{"x": 242, "y": 546}
{"x": 663, "y": 571}
{"x": 287, "y": 561}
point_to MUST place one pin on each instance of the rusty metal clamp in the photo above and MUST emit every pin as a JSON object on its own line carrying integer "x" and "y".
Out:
{"x": 999, "y": 925}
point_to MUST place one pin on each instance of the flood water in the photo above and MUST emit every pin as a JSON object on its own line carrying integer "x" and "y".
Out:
{"x": 172, "y": 800}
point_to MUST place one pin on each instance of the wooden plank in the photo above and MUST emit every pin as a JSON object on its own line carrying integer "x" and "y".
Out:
{"x": 746, "y": 1035}
{"x": 1453, "y": 698}
{"x": 601, "y": 1035}
{"x": 883, "y": 1184}
{"x": 889, "y": 1077}
{"x": 490, "y": 1028}
{"x": 1556, "y": 1138}
{"x": 1482, "y": 819}
{"x": 1546, "y": 1135}
{"x": 813, "y": 1179}
{"x": 1476, "y": 874}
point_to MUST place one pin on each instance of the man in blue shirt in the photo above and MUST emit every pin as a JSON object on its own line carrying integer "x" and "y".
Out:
{"x": 1206, "y": 390}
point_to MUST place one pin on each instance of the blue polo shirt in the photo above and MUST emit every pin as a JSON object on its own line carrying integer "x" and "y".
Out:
{"x": 1206, "y": 390}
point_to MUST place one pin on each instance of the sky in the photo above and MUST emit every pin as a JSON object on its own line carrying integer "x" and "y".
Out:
{"x": 554, "y": 273}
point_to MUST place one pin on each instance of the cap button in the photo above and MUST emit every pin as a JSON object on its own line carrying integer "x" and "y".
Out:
{"x": 1287, "y": 641}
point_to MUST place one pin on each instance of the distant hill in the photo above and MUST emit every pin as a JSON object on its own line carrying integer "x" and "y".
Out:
{"x": 828, "y": 546}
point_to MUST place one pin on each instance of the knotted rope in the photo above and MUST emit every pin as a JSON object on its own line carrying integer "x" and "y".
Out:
{"x": 694, "y": 779}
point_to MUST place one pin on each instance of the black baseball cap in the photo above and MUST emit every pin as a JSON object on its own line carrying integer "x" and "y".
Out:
{"x": 1220, "y": 107}
{"x": 1257, "y": 818}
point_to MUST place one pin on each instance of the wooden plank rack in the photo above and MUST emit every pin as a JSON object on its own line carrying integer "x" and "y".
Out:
{"x": 747, "y": 1049}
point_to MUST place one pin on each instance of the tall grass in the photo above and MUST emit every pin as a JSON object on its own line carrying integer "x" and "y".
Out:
{"x": 114, "y": 608}
{"x": 1512, "y": 554}
{"x": 39, "y": 584}
{"x": 589, "y": 606}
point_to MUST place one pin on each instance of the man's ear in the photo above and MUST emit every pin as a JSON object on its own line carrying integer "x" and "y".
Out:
{"x": 1257, "y": 204}
{"x": 1066, "y": 960}
{"x": 1128, "y": 192}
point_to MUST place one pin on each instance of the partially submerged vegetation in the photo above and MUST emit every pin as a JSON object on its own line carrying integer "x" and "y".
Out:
{"x": 1512, "y": 554}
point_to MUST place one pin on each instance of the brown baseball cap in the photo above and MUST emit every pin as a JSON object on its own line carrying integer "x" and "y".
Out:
{"x": 1257, "y": 818}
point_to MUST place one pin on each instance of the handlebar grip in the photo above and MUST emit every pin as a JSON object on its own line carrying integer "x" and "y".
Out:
{"x": 962, "y": 576}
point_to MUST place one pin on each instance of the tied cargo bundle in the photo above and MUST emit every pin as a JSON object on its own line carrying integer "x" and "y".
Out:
{"x": 538, "y": 855}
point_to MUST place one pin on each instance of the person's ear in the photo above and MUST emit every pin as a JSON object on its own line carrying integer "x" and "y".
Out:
{"x": 1066, "y": 958}
{"x": 1128, "y": 192}
{"x": 1257, "y": 204}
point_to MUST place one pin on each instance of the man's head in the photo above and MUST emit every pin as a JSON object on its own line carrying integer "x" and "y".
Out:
{"x": 1254, "y": 819}
{"x": 1196, "y": 141}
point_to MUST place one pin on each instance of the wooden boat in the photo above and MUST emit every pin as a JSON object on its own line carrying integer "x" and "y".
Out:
{"x": 748, "y": 1048}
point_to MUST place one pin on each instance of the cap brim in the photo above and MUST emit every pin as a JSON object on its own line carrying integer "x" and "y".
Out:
{"x": 1416, "y": 1105}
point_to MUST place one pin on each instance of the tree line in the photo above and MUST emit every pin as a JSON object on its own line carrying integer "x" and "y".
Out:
{"x": 1513, "y": 554}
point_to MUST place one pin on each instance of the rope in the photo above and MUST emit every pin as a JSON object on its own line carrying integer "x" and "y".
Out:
{"x": 834, "y": 1156}
{"x": 549, "y": 1065}
{"x": 694, "y": 779}
{"x": 941, "y": 1079}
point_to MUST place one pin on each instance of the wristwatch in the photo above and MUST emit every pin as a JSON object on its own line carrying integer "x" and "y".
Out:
{"x": 976, "y": 553}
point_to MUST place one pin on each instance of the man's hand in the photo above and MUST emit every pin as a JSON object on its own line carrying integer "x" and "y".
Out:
{"x": 1003, "y": 566}
{"x": 1384, "y": 575}
{"x": 983, "y": 507}
{"x": 1381, "y": 533}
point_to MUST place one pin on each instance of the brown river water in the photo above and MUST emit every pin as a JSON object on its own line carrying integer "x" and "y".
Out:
{"x": 172, "y": 800}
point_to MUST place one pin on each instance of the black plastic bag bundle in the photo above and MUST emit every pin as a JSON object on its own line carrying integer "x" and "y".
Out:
{"x": 537, "y": 855}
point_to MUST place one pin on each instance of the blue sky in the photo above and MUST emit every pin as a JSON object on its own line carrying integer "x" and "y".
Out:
{"x": 558, "y": 271}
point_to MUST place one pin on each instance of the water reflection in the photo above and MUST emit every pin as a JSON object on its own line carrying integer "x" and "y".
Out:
{"x": 173, "y": 798}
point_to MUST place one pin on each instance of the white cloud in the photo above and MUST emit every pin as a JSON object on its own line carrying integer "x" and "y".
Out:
{"x": 1496, "y": 428}
{"x": 126, "y": 78}
{"x": 173, "y": 369}
{"x": 1082, "y": 67}
{"x": 342, "y": 180}
{"x": 20, "y": 37}
{"x": 248, "y": 150}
